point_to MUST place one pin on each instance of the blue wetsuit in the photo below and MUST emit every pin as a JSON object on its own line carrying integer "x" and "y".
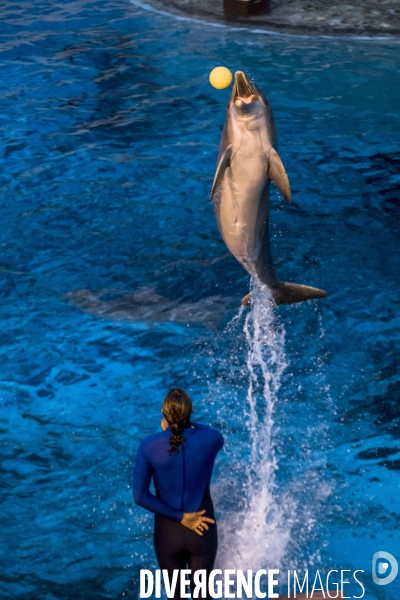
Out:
{"x": 182, "y": 483}
{"x": 180, "y": 480}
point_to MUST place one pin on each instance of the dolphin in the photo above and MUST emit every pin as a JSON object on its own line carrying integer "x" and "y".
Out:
{"x": 145, "y": 305}
{"x": 247, "y": 163}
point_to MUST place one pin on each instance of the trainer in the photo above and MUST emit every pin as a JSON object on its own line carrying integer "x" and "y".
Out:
{"x": 180, "y": 459}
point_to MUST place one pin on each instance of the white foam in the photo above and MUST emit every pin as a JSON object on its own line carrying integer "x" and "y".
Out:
{"x": 257, "y": 535}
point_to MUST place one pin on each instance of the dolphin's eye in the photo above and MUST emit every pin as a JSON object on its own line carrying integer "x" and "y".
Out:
{"x": 239, "y": 103}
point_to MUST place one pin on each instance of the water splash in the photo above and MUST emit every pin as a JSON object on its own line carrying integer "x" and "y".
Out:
{"x": 257, "y": 535}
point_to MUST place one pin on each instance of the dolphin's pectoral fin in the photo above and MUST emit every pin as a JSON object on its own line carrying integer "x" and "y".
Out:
{"x": 277, "y": 174}
{"x": 288, "y": 293}
{"x": 223, "y": 163}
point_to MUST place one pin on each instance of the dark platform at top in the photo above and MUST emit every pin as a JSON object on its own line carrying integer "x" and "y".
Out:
{"x": 324, "y": 17}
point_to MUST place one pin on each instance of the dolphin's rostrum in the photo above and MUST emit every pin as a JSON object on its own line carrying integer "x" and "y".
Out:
{"x": 247, "y": 163}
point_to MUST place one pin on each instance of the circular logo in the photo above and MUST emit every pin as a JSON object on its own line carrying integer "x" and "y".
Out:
{"x": 383, "y": 567}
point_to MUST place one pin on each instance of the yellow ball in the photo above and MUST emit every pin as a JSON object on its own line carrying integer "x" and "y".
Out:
{"x": 220, "y": 78}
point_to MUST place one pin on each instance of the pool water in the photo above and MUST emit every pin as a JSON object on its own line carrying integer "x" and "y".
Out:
{"x": 115, "y": 285}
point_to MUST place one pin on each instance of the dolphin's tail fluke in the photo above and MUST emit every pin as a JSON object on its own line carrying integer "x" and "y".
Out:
{"x": 288, "y": 293}
{"x": 294, "y": 292}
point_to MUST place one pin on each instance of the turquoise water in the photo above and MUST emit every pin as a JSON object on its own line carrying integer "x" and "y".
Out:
{"x": 115, "y": 285}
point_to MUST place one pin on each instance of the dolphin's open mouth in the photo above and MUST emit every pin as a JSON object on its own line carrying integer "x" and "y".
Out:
{"x": 243, "y": 89}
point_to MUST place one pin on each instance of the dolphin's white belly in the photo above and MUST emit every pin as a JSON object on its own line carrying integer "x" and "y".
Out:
{"x": 243, "y": 210}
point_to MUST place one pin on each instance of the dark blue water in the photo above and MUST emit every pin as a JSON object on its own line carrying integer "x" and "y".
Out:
{"x": 115, "y": 285}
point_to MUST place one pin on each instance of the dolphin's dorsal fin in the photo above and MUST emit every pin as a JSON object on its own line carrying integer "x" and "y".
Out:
{"x": 277, "y": 174}
{"x": 223, "y": 163}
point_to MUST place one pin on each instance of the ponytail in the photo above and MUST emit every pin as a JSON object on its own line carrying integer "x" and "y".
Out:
{"x": 176, "y": 438}
{"x": 177, "y": 409}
